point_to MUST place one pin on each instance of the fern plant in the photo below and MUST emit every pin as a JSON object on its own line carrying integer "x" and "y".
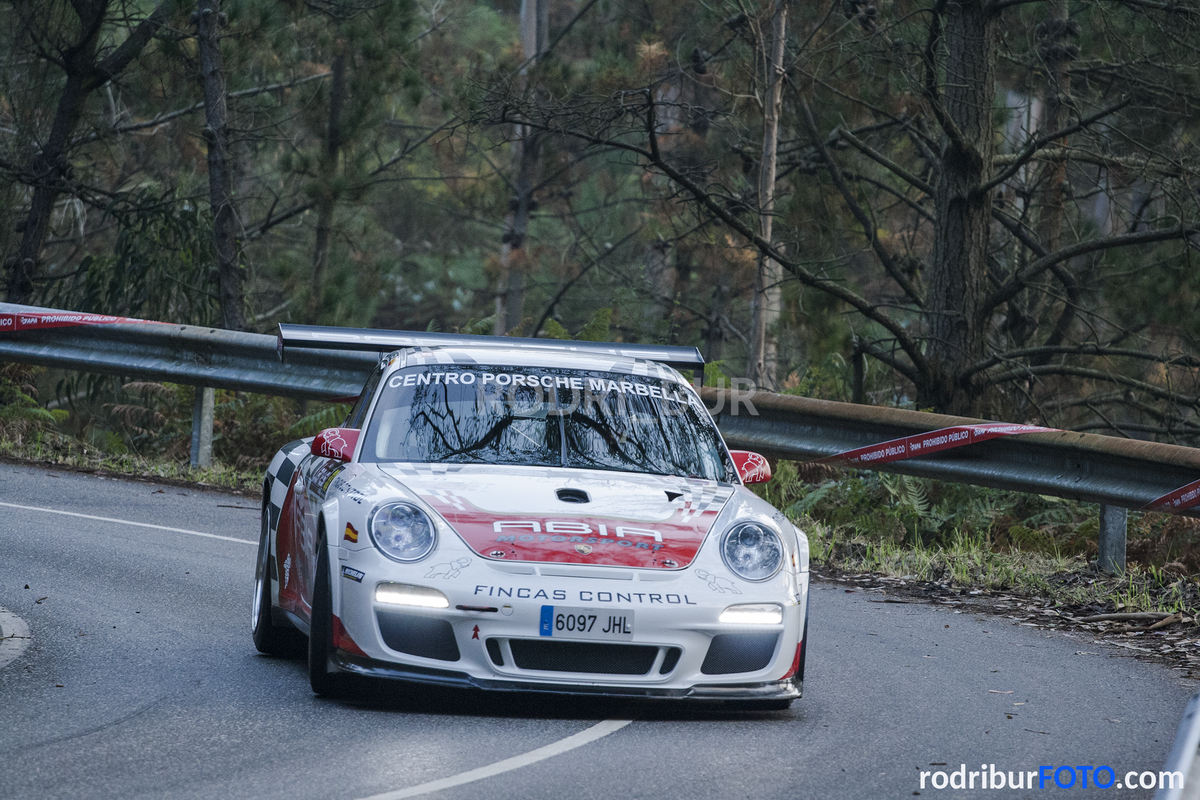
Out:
{"x": 18, "y": 397}
{"x": 330, "y": 416}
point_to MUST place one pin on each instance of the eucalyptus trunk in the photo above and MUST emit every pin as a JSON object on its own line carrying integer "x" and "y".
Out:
{"x": 510, "y": 285}
{"x": 764, "y": 360}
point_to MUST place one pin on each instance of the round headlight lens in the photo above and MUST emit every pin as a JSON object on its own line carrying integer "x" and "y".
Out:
{"x": 752, "y": 551}
{"x": 402, "y": 531}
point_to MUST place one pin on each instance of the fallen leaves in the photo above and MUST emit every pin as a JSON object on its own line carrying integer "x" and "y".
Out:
{"x": 1138, "y": 616}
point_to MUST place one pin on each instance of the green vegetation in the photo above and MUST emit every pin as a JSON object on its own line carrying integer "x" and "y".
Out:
{"x": 144, "y": 428}
{"x": 962, "y": 538}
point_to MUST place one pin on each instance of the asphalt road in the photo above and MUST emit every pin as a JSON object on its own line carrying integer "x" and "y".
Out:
{"x": 140, "y": 680}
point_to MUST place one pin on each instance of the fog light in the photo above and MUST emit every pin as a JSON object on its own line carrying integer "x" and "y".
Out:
{"x": 753, "y": 614}
{"x": 403, "y": 594}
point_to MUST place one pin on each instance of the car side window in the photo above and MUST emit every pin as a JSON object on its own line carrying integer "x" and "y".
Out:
{"x": 359, "y": 412}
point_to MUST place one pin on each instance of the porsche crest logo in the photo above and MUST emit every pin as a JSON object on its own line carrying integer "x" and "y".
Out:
{"x": 583, "y": 549}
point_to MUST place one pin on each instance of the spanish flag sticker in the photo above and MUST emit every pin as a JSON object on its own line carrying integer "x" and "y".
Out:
{"x": 351, "y": 534}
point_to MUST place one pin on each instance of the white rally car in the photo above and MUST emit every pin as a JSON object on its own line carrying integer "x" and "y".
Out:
{"x": 534, "y": 516}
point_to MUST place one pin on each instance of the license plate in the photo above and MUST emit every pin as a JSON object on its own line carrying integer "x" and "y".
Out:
{"x": 565, "y": 622}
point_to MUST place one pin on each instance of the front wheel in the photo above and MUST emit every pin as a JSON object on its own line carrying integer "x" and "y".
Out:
{"x": 320, "y": 634}
{"x": 269, "y": 638}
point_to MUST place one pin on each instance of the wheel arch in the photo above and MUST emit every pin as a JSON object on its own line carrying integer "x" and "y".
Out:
{"x": 327, "y": 520}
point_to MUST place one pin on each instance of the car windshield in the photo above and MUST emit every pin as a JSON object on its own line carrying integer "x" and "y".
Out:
{"x": 544, "y": 417}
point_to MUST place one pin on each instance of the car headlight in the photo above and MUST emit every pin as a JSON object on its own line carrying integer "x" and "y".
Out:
{"x": 752, "y": 614}
{"x": 403, "y": 594}
{"x": 402, "y": 532}
{"x": 752, "y": 551}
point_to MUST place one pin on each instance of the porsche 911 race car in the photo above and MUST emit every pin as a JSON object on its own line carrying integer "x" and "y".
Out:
{"x": 530, "y": 515}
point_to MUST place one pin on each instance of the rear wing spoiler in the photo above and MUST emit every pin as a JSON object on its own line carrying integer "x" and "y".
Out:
{"x": 321, "y": 337}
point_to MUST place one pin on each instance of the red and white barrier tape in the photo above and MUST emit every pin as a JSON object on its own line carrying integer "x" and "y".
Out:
{"x": 31, "y": 322}
{"x": 1178, "y": 501}
{"x": 1175, "y": 502}
{"x": 931, "y": 442}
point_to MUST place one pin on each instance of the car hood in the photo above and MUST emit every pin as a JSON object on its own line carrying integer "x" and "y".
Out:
{"x": 518, "y": 514}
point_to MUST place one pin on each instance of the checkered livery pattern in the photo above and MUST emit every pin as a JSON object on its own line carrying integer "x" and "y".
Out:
{"x": 700, "y": 498}
{"x": 279, "y": 477}
{"x": 442, "y": 499}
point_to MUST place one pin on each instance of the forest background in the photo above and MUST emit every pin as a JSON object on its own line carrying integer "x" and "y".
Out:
{"x": 979, "y": 207}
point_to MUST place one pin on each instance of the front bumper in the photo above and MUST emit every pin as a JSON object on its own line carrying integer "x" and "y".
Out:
{"x": 678, "y": 650}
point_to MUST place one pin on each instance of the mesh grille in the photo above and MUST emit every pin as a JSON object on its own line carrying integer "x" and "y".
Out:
{"x": 589, "y": 657}
{"x": 493, "y": 648}
{"x": 671, "y": 659}
{"x": 739, "y": 652}
{"x": 418, "y": 636}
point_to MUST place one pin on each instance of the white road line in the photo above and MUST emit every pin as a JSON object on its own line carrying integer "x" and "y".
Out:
{"x": 585, "y": 736}
{"x": 128, "y": 522}
{"x": 14, "y": 637}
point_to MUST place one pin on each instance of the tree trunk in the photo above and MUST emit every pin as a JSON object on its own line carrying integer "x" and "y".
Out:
{"x": 767, "y": 293}
{"x": 326, "y": 195}
{"x": 958, "y": 274}
{"x": 51, "y": 166}
{"x": 216, "y": 135}
{"x": 510, "y": 288}
{"x": 1057, "y": 55}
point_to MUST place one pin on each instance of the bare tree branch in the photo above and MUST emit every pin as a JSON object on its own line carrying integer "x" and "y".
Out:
{"x": 867, "y": 224}
{"x": 1039, "y": 142}
{"x": 705, "y": 198}
{"x": 1086, "y": 349}
{"x": 874, "y": 155}
{"x": 257, "y": 229}
{"x": 1017, "y": 283}
{"x": 165, "y": 117}
{"x": 1024, "y": 373}
{"x": 129, "y": 49}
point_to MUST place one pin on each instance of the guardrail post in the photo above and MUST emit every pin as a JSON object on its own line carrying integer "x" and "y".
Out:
{"x": 1113, "y": 528}
{"x": 202, "y": 427}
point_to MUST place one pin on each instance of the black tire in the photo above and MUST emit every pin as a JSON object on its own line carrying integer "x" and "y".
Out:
{"x": 269, "y": 638}
{"x": 320, "y": 634}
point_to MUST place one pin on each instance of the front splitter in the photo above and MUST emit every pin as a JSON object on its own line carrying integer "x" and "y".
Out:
{"x": 790, "y": 689}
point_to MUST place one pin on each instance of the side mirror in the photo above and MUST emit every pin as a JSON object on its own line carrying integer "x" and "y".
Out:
{"x": 751, "y": 466}
{"x": 336, "y": 443}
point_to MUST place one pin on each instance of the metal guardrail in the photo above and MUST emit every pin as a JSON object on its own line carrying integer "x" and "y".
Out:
{"x": 245, "y": 362}
{"x": 206, "y": 358}
{"x": 1080, "y": 466}
{"x": 1118, "y": 473}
